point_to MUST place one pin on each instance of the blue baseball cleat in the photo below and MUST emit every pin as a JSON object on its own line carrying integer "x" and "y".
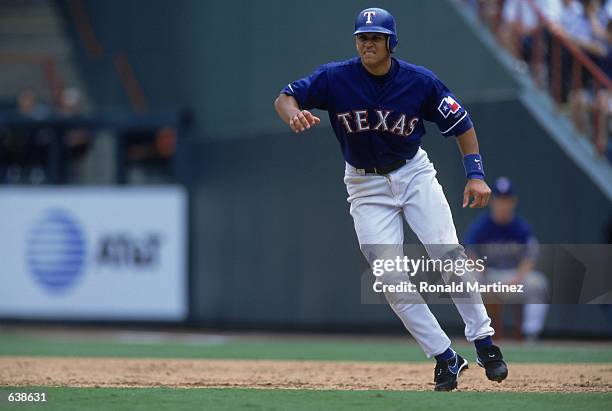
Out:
{"x": 446, "y": 373}
{"x": 492, "y": 360}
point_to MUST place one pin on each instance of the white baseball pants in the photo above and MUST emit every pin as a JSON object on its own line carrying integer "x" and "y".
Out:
{"x": 379, "y": 203}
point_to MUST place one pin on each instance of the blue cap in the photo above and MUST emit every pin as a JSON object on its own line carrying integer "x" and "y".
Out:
{"x": 503, "y": 187}
{"x": 376, "y": 20}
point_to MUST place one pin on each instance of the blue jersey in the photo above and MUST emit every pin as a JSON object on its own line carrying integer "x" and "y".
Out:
{"x": 378, "y": 120}
{"x": 505, "y": 246}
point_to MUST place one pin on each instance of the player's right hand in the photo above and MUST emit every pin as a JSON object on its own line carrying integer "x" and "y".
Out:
{"x": 479, "y": 190}
{"x": 303, "y": 120}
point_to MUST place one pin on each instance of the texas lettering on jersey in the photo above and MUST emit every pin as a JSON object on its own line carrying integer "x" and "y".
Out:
{"x": 357, "y": 121}
{"x": 378, "y": 120}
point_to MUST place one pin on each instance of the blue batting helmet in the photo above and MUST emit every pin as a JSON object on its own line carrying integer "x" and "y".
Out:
{"x": 375, "y": 20}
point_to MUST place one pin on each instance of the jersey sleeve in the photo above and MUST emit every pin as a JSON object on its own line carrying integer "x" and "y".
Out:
{"x": 443, "y": 108}
{"x": 310, "y": 91}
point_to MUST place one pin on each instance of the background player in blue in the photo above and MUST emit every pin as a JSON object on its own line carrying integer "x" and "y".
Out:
{"x": 511, "y": 249}
{"x": 377, "y": 105}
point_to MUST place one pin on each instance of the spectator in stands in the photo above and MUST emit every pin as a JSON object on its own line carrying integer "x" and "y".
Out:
{"x": 510, "y": 248}
{"x": 29, "y": 105}
{"x": 592, "y": 32}
{"x": 603, "y": 114}
{"x": 567, "y": 19}
{"x": 149, "y": 154}
{"x": 519, "y": 23}
{"x": 27, "y": 145}
{"x": 77, "y": 140}
{"x": 71, "y": 102}
{"x": 488, "y": 11}
{"x": 589, "y": 30}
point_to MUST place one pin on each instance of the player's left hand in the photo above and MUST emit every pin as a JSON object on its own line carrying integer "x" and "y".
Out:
{"x": 477, "y": 189}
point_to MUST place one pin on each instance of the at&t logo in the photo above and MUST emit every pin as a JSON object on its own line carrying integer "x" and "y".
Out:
{"x": 56, "y": 250}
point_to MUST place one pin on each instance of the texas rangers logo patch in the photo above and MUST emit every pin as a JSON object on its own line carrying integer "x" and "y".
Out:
{"x": 448, "y": 106}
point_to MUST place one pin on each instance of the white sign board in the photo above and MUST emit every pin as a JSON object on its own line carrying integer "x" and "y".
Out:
{"x": 93, "y": 253}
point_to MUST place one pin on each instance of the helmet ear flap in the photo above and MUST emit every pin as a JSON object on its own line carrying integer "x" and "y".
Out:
{"x": 391, "y": 43}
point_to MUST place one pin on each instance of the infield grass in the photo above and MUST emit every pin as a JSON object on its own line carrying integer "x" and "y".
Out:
{"x": 147, "y": 399}
{"x": 284, "y": 349}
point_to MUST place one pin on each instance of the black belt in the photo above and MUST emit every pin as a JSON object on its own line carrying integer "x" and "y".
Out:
{"x": 385, "y": 169}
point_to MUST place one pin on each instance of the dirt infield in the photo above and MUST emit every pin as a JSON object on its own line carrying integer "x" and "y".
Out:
{"x": 332, "y": 375}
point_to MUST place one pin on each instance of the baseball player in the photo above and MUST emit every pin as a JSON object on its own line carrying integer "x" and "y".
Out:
{"x": 377, "y": 105}
{"x": 511, "y": 249}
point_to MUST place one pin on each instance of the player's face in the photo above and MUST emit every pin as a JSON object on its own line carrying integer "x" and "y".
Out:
{"x": 372, "y": 48}
{"x": 502, "y": 208}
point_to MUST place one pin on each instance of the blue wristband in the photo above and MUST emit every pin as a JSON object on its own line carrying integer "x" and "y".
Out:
{"x": 473, "y": 166}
